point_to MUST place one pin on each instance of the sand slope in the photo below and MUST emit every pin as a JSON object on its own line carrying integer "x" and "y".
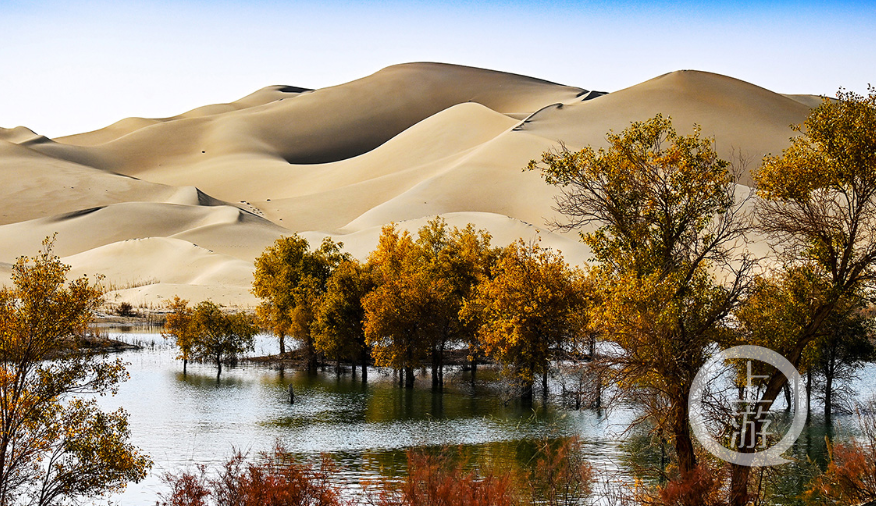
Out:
{"x": 183, "y": 205}
{"x": 744, "y": 119}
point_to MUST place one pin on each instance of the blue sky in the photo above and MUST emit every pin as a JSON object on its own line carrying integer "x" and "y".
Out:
{"x": 78, "y": 65}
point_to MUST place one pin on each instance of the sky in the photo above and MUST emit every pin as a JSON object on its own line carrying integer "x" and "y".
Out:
{"x": 73, "y": 66}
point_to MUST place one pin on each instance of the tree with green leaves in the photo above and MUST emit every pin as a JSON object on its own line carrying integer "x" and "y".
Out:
{"x": 206, "y": 333}
{"x": 56, "y": 445}
{"x": 290, "y": 278}
{"x": 658, "y": 210}
{"x": 818, "y": 204}
{"x": 527, "y": 311}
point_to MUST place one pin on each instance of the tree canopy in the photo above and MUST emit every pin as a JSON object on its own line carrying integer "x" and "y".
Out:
{"x": 818, "y": 204}
{"x": 206, "y": 333}
{"x": 56, "y": 445}
{"x": 658, "y": 210}
{"x": 289, "y": 278}
{"x": 527, "y": 310}
{"x": 339, "y": 330}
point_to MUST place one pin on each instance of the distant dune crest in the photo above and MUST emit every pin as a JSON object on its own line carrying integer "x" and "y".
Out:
{"x": 189, "y": 201}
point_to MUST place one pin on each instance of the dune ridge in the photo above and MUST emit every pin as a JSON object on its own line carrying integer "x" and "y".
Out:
{"x": 184, "y": 204}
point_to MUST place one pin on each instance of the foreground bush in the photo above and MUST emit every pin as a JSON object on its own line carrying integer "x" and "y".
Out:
{"x": 438, "y": 480}
{"x": 850, "y": 477}
{"x": 557, "y": 475}
{"x": 275, "y": 480}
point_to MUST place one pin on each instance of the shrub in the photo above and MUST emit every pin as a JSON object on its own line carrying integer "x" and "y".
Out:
{"x": 439, "y": 480}
{"x": 125, "y": 309}
{"x": 275, "y": 479}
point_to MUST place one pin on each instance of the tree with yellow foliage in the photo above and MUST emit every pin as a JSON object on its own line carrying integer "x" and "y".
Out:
{"x": 398, "y": 326}
{"x": 179, "y": 326}
{"x": 455, "y": 260}
{"x": 414, "y": 311}
{"x": 56, "y": 446}
{"x": 289, "y": 278}
{"x": 221, "y": 336}
{"x": 527, "y": 311}
{"x": 206, "y": 333}
{"x": 818, "y": 203}
{"x": 664, "y": 216}
{"x": 339, "y": 328}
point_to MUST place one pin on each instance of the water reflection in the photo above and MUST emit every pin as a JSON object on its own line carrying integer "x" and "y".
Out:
{"x": 196, "y": 418}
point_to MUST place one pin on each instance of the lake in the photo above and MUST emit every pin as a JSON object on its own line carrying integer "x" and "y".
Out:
{"x": 180, "y": 420}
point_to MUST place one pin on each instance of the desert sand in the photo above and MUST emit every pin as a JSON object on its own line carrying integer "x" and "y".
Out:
{"x": 183, "y": 205}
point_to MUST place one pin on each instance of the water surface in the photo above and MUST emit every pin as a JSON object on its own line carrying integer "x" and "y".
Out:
{"x": 182, "y": 419}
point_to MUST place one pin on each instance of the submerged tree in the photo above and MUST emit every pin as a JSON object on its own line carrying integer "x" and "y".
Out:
{"x": 658, "y": 210}
{"x": 180, "y": 327}
{"x": 339, "y": 327}
{"x": 459, "y": 259}
{"x": 414, "y": 312}
{"x": 818, "y": 202}
{"x": 527, "y": 311}
{"x": 289, "y": 278}
{"x": 398, "y": 326}
{"x": 206, "y": 333}
{"x": 57, "y": 446}
{"x": 221, "y": 336}
{"x": 778, "y": 308}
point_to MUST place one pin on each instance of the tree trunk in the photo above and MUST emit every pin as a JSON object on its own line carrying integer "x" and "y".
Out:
{"x": 219, "y": 364}
{"x": 808, "y": 390}
{"x": 282, "y": 344}
{"x": 437, "y": 369}
{"x": 185, "y": 363}
{"x": 596, "y": 403}
{"x": 828, "y": 394}
{"x": 526, "y": 393}
{"x": 435, "y": 360}
{"x": 474, "y": 369}
{"x": 409, "y": 377}
{"x": 684, "y": 448}
{"x": 544, "y": 384}
{"x": 441, "y": 367}
{"x": 338, "y": 368}
{"x": 739, "y": 474}
{"x": 312, "y": 359}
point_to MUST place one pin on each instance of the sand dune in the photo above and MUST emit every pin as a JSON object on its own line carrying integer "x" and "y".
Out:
{"x": 182, "y": 205}
{"x": 128, "y": 125}
{"x": 37, "y": 186}
{"x": 745, "y": 120}
{"x": 325, "y": 125}
{"x": 149, "y": 270}
{"x": 90, "y": 228}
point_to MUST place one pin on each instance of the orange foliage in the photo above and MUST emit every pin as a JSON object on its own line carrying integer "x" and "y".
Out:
{"x": 437, "y": 481}
{"x": 701, "y": 487}
{"x": 276, "y": 480}
{"x": 850, "y": 477}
